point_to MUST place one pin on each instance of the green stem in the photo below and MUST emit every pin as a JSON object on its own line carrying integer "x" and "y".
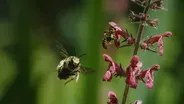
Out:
{"x": 139, "y": 36}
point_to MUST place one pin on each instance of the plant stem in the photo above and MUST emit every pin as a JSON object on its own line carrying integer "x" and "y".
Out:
{"x": 139, "y": 35}
{"x": 141, "y": 29}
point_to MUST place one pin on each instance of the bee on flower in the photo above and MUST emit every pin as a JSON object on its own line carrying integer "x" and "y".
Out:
{"x": 114, "y": 33}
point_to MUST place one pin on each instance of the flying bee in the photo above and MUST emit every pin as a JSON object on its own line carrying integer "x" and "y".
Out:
{"x": 70, "y": 67}
{"x": 108, "y": 37}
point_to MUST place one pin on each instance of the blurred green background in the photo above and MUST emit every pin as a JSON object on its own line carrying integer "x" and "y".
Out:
{"x": 28, "y": 57}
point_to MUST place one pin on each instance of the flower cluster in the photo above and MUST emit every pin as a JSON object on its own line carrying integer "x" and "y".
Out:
{"x": 114, "y": 33}
{"x": 135, "y": 73}
{"x": 113, "y": 69}
{"x": 137, "y": 17}
{"x": 132, "y": 71}
{"x": 148, "y": 43}
{"x": 155, "y": 5}
{"x": 141, "y": 17}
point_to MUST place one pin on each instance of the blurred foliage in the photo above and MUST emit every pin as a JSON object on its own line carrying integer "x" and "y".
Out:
{"x": 28, "y": 57}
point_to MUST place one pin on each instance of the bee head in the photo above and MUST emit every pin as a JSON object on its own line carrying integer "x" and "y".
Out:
{"x": 75, "y": 61}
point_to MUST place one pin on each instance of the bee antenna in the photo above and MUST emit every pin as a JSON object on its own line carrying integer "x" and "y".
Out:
{"x": 82, "y": 55}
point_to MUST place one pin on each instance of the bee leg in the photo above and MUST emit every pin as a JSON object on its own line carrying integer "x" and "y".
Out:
{"x": 73, "y": 77}
{"x": 77, "y": 76}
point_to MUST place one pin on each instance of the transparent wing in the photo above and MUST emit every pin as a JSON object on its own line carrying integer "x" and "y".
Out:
{"x": 86, "y": 71}
{"x": 61, "y": 50}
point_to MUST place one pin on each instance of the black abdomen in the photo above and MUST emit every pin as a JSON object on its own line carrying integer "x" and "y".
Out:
{"x": 64, "y": 74}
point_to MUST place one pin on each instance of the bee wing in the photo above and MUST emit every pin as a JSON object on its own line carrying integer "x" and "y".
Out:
{"x": 61, "y": 50}
{"x": 85, "y": 70}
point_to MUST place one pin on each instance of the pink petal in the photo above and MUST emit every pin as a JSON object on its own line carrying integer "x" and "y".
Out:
{"x": 149, "y": 84}
{"x": 113, "y": 98}
{"x": 111, "y": 63}
{"x": 129, "y": 70}
{"x": 143, "y": 73}
{"x": 144, "y": 45}
{"x": 149, "y": 79}
{"x": 136, "y": 71}
{"x": 135, "y": 59}
{"x": 107, "y": 76}
{"x": 167, "y": 34}
{"x": 112, "y": 68}
{"x": 160, "y": 46}
{"x": 114, "y": 25}
{"x": 117, "y": 43}
{"x": 131, "y": 81}
{"x": 155, "y": 67}
{"x": 107, "y": 58}
{"x": 111, "y": 95}
{"x": 139, "y": 64}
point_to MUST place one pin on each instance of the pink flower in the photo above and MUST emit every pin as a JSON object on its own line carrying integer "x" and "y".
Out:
{"x": 112, "y": 98}
{"x": 118, "y": 33}
{"x": 113, "y": 69}
{"x": 116, "y": 27}
{"x": 160, "y": 46}
{"x": 132, "y": 71}
{"x": 107, "y": 76}
{"x": 148, "y": 43}
{"x": 148, "y": 75}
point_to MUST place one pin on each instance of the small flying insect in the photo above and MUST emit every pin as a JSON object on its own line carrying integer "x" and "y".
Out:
{"x": 108, "y": 37}
{"x": 70, "y": 66}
